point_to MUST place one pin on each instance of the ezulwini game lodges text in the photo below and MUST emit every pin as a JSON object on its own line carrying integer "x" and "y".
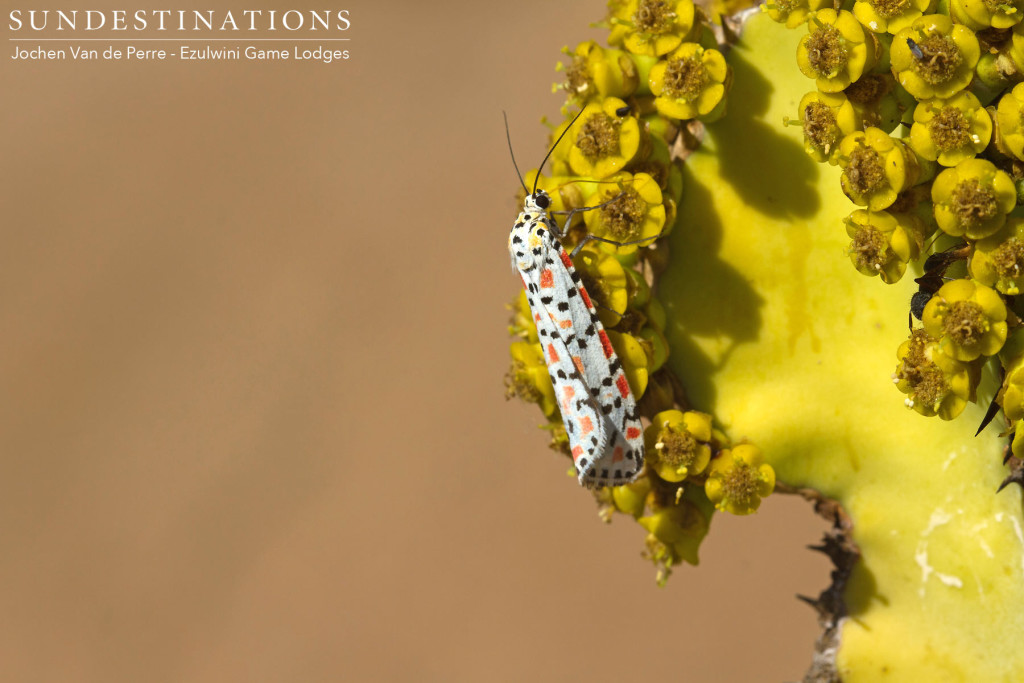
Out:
{"x": 184, "y": 53}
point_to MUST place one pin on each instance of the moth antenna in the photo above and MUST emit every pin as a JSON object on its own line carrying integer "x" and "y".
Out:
{"x": 508, "y": 136}
{"x": 548, "y": 155}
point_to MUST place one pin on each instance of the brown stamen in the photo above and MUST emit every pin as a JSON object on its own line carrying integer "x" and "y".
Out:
{"x": 939, "y": 60}
{"x": 868, "y": 89}
{"x": 926, "y": 380}
{"x": 741, "y": 484}
{"x": 871, "y": 248}
{"x": 825, "y": 51}
{"x": 1008, "y": 258}
{"x": 654, "y": 16}
{"x": 577, "y": 77}
{"x": 685, "y": 79}
{"x": 820, "y": 127}
{"x": 887, "y": 9}
{"x": 965, "y": 323}
{"x": 676, "y": 447}
{"x": 865, "y": 172}
{"x": 598, "y": 137}
{"x": 950, "y": 129}
{"x": 624, "y": 217}
{"x": 973, "y": 203}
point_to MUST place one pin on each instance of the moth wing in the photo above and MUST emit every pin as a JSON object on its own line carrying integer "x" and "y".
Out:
{"x": 605, "y": 380}
{"x": 584, "y": 425}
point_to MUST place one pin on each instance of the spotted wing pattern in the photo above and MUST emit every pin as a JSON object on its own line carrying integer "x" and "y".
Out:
{"x": 598, "y": 408}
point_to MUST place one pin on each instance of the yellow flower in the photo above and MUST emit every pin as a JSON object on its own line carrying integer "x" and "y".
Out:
{"x": 678, "y": 444}
{"x": 883, "y": 243}
{"x": 1017, "y": 445}
{"x": 660, "y": 165}
{"x": 889, "y": 16}
{"x": 651, "y": 27}
{"x": 973, "y": 199}
{"x": 879, "y": 101}
{"x": 1015, "y": 50}
{"x": 793, "y": 12}
{"x": 656, "y": 346}
{"x": 738, "y": 479}
{"x": 528, "y": 377}
{"x": 835, "y": 52}
{"x": 675, "y": 532}
{"x": 876, "y": 168}
{"x": 606, "y": 283}
{"x": 951, "y": 129}
{"x": 998, "y": 260}
{"x": 826, "y": 119}
{"x": 934, "y": 57}
{"x": 596, "y": 73}
{"x": 968, "y": 319}
{"x": 631, "y": 498}
{"x": 1010, "y": 117}
{"x": 634, "y": 361}
{"x": 934, "y": 383}
{"x": 639, "y": 290}
{"x": 982, "y": 14}
{"x": 604, "y": 141}
{"x": 633, "y": 211}
{"x": 691, "y": 83}
{"x": 1013, "y": 385}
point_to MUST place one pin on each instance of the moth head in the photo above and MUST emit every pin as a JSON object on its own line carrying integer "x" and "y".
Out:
{"x": 539, "y": 200}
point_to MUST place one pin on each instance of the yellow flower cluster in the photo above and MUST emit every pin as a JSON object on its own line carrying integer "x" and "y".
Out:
{"x": 921, "y": 104}
{"x": 663, "y": 72}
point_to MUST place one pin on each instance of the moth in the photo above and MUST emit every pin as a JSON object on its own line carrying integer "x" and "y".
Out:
{"x": 596, "y": 402}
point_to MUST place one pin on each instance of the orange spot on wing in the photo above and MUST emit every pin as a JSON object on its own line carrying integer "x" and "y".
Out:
{"x": 632, "y": 433}
{"x": 623, "y": 386}
{"x": 577, "y": 451}
{"x": 585, "y": 296}
{"x": 566, "y": 261}
{"x": 565, "y": 324}
{"x": 552, "y": 354}
{"x": 586, "y": 425}
{"x": 579, "y": 363}
{"x": 547, "y": 280}
{"x": 606, "y": 343}
{"x": 568, "y": 392}
{"x": 617, "y": 456}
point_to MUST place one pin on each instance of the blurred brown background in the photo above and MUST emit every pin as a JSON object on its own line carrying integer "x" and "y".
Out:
{"x": 252, "y": 423}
